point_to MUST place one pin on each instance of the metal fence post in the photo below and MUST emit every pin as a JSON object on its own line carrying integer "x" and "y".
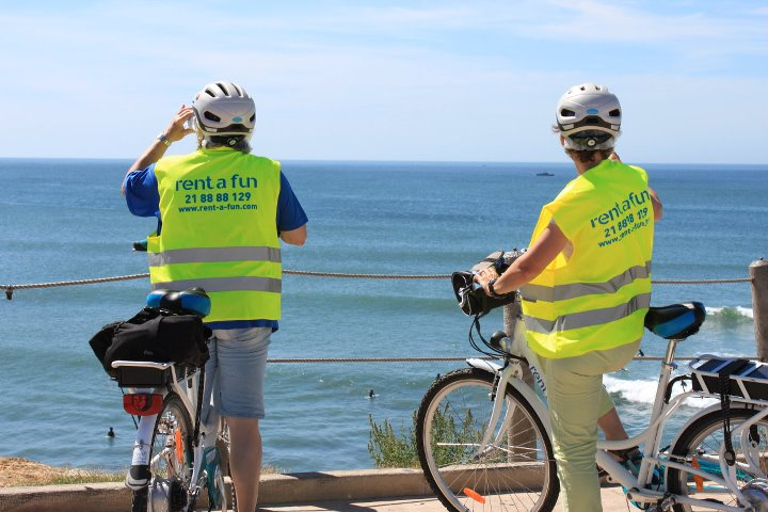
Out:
{"x": 758, "y": 271}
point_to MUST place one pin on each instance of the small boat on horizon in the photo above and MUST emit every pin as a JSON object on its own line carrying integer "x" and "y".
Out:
{"x": 544, "y": 174}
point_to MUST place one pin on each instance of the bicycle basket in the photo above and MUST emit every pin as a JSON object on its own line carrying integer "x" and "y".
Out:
{"x": 746, "y": 379}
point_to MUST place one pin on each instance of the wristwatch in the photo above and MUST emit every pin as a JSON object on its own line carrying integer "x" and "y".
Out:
{"x": 162, "y": 138}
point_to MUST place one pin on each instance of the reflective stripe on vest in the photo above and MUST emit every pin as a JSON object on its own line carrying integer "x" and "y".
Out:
{"x": 588, "y": 318}
{"x": 218, "y": 209}
{"x": 594, "y": 295}
{"x": 207, "y": 254}
{"x": 572, "y": 291}
{"x": 226, "y": 284}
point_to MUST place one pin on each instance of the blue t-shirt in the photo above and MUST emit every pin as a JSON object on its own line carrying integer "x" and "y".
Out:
{"x": 143, "y": 200}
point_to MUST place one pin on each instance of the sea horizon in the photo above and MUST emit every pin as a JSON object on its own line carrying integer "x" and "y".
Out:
{"x": 560, "y": 161}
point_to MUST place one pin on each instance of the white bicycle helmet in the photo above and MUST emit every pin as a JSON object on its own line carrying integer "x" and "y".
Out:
{"x": 589, "y": 117}
{"x": 224, "y": 108}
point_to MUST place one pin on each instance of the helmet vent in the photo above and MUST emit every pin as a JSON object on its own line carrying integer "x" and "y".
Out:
{"x": 211, "y": 116}
{"x": 253, "y": 118}
{"x": 614, "y": 113}
{"x": 223, "y": 89}
{"x": 567, "y": 113}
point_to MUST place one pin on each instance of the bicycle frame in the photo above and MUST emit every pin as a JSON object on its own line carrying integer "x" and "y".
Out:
{"x": 187, "y": 387}
{"x": 511, "y": 373}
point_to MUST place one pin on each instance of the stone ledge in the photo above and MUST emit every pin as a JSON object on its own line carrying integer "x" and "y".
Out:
{"x": 273, "y": 489}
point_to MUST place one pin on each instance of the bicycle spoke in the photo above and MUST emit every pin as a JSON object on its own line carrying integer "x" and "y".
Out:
{"x": 699, "y": 447}
{"x": 514, "y": 471}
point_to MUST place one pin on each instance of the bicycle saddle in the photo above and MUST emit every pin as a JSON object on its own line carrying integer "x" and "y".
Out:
{"x": 192, "y": 301}
{"x": 676, "y": 322}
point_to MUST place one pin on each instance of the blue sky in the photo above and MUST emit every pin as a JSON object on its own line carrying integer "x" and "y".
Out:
{"x": 415, "y": 80}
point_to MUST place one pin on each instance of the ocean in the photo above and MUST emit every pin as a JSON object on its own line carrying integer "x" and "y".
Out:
{"x": 65, "y": 220}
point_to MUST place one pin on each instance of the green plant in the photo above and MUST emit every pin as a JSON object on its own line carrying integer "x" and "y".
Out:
{"x": 391, "y": 450}
{"x": 398, "y": 450}
{"x": 461, "y": 439}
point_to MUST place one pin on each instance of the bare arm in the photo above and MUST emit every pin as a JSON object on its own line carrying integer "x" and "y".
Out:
{"x": 295, "y": 236}
{"x": 173, "y": 133}
{"x": 550, "y": 243}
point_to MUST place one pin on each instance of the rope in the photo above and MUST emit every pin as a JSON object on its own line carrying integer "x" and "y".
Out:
{"x": 332, "y": 360}
{"x": 374, "y": 360}
{"x": 704, "y": 281}
{"x": 365, "y": 276}
{"x": 10, "y": 288}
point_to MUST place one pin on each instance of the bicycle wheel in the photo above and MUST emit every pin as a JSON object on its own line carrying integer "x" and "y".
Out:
{"x": 700, "y": 445}
{"x": 170, "y": 456}
{"x": 516, "y": 471}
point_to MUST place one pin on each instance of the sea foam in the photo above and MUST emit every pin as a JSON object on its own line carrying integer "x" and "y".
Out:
{"x": 728, "y": 312}
{"x": 644, "y": 391}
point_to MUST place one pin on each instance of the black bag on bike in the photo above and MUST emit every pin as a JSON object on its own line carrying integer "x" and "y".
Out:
{"x": 154, "y": 334}
{"x": 471, "y": 297}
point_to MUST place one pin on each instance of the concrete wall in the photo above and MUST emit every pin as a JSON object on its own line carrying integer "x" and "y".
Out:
{"x": 273, "y": 489}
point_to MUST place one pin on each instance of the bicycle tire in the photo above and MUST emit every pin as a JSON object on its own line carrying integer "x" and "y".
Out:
{"x": 704, "y": 437}
{"x": 520, "y": 474}
{"x": 170, "y": 459}
{"x": 139, "y": 500}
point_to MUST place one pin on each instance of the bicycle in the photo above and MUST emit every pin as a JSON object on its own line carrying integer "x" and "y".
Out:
{"x": 175, "y": 457}
{"x": 483, "y": 433}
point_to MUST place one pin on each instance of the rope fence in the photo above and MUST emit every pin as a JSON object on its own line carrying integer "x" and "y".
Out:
{"x": 332, "y": 360}
{"x": 11, "y": 288}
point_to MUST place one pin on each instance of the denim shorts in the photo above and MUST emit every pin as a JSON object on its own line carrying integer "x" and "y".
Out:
{"x": 234, "y": 375}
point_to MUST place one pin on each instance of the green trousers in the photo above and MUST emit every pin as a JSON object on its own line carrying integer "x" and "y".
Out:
{"x": 577, "y": 398}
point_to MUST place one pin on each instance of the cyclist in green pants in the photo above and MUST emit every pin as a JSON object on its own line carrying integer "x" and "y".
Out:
{"x": 585, "y": 283}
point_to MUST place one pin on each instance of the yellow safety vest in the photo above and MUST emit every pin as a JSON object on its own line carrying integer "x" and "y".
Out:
{"x": 595, "y": 294}
{"x": 218, "y": 208}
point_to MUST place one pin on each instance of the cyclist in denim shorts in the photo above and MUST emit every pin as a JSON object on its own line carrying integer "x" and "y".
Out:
{"x": 222, "y": 214}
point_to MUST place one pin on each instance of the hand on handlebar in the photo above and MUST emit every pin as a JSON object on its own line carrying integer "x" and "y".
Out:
{"x": 483, "y": 277}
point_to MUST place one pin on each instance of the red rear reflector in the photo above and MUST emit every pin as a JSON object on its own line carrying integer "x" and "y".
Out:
{"x": 142, "y": 404}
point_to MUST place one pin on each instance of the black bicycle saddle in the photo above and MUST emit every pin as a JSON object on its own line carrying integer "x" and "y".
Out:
{"x": 677, "y": 321}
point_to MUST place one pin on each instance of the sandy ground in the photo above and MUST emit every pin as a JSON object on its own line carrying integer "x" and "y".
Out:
{"x": 15, "y": 471}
